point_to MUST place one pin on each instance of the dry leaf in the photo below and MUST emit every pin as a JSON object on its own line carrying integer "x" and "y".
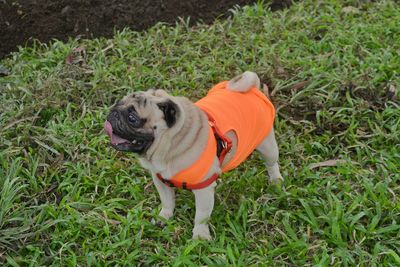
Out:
{"x": 265, "y": 90}
{"x": 300, "y": 85}
{"x": 110, "y": 45}
{"x": 113, "y": 222}
{"x": 68, "y": 59}
{"x": 77, "y": 56}
{"x": 19, "y": 121}
{"x": 280, "y": 71}
{"x": 328, "y": 163}
{"x": 391, "y": 94}
{"x": 350, "y": 9}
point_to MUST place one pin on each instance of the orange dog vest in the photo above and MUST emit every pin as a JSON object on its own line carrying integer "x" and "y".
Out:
{"x": 250, "y": 115}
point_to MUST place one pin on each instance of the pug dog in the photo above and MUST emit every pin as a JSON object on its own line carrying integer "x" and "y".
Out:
{"x": 188, "y": 145}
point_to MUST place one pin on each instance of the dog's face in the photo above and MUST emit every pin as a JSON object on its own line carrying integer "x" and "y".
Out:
{"x": 139, "y": 120}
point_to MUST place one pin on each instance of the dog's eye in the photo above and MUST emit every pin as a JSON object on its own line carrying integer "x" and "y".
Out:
{"x": 135, "y": 121}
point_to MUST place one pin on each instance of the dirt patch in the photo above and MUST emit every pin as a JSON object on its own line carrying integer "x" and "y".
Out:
{"x": 21, "y": 21}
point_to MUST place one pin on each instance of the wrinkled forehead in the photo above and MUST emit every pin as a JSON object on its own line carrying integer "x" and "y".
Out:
{"x": 143, "y": 99}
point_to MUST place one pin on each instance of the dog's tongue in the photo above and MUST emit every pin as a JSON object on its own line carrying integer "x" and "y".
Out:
{"x": 115, "y": 139}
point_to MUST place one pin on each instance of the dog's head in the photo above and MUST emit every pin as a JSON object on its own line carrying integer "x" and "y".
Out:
{"x": 140, "y": 119}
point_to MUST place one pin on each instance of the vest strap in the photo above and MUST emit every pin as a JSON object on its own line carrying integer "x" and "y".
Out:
{"x": 187, "y": 186}
{"x": 222, "y": 141}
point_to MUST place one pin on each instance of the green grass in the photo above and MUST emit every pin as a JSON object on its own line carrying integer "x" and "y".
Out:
{"x": 67, "y": 198}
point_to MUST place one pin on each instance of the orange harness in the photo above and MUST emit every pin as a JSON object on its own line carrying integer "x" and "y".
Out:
{"x": 190, "y": 178}
{"x": 250, "y": 115}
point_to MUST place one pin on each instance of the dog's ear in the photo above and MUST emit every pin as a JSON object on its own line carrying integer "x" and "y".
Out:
{"x": 170, "y": 110}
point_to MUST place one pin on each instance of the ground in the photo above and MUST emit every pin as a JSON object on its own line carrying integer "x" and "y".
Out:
{"x": 23, "y": 21}
{"x": 68, "y": 199}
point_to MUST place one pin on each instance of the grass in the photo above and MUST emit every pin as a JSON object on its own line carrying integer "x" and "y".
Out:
{"x": 67, "y": 198}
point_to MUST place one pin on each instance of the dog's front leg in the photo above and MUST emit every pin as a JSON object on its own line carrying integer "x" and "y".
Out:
{"x": 204, "y": 205}
{"x": 167, "y": 197}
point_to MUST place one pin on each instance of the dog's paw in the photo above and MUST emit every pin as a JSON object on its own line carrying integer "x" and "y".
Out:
{"x": 278, "y": 181}
{"x": 201, "y": 232}
{"x": 163, "y": 216}
{"x": 275, "y": 176}
{"x": 166, "y": 214}
{"x": 276, "y": 185}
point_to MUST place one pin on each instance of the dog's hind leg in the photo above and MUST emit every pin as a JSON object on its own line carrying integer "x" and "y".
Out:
{"x": 269, "y": 149}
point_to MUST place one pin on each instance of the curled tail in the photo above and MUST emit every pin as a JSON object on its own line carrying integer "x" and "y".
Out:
{"x": 244, "y": 82}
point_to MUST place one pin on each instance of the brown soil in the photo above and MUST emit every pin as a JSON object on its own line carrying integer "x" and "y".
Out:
{"x": 21, "y": 21}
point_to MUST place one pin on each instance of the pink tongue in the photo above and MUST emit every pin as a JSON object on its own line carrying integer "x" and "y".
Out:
{"x": 115, "y": 139}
